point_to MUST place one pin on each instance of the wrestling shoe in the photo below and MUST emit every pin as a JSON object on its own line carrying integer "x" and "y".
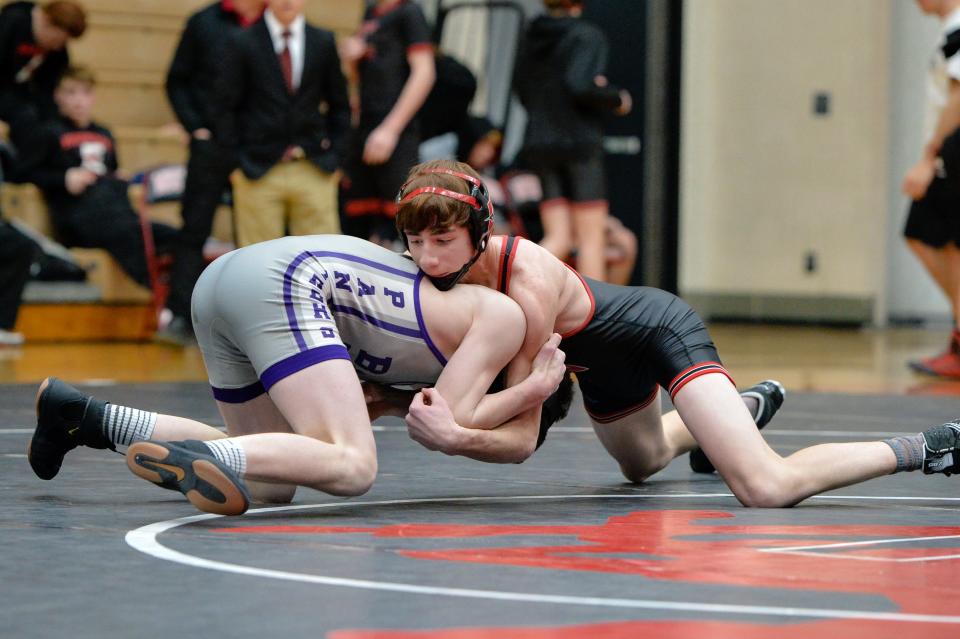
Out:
{"x": 66, "y": 418}
{"x": 941, "y": 450}
{"x": 189, "y": 467}
{"x": 769, "y": 395}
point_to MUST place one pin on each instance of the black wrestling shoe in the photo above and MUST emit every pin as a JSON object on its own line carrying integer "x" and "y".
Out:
{"x": 190, "y": 468}
{"x": 769, "y": 395}
{"x": 941, "y": 451}
{"x": 66, "y": 418}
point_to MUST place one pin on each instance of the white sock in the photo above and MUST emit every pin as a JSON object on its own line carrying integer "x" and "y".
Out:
{"x": 123, "y": 425}
{"x": 229, "y": 453}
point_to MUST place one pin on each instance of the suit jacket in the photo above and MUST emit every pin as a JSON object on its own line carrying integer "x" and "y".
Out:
{"x": 254, "y": 113}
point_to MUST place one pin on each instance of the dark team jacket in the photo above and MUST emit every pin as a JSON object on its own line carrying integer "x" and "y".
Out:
{"x": 62, "y": 145}
{"x": 390, "y": 34}
{"x": 254, "y": 114}
{"x": 29, "y": 101}
{"x": 196, "y": 64}
{"x": 554, "y": 79}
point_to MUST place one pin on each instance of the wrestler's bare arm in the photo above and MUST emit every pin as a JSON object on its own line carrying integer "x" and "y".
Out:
{"x": 495, "y": 334}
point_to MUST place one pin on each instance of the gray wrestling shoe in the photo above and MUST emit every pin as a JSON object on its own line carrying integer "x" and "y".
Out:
{"x": 769, "y": 395}
{"x": 941, "y": 450}
{"x": 190, "y": 468}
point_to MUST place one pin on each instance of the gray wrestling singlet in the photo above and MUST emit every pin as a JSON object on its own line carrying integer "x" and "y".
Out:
{"x": 269, "y": 310}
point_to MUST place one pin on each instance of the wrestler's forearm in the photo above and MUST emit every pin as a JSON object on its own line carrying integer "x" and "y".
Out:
{"x": 511, "y": 443}
{"x": 499, "y": 408}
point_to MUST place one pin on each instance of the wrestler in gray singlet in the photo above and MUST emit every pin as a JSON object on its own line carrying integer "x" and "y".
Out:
{"x": 266, "y": 311}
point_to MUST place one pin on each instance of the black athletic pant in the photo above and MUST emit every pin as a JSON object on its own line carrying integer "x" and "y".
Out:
{"x": 208, "y": 176}
{"x": 104, "y": 218}
{"x": 17, "y": 253}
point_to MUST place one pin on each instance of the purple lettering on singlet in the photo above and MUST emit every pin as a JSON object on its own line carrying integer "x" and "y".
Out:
{"x": 372, "y": 363}
{"x": 316, "y": 295}
{"x": 317, "y": 280}
{"x": 320, "y": 311}
{"x": 365, "y": 289}
{"x": 342, "y": 281}
{"x": 329, "y": 333}
{"x": 396, "y": 296}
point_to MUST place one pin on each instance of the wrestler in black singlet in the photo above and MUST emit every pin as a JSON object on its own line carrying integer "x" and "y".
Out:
{"x": 637, "y": 339}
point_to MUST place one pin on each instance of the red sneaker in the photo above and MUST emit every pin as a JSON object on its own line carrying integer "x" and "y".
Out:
{"x": 946, "y": 365}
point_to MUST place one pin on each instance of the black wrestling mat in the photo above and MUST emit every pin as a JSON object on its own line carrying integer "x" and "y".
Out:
{"x": 448, "y": 548}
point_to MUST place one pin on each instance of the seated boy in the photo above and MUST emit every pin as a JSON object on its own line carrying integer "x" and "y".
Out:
{"x": 74, "y": 162}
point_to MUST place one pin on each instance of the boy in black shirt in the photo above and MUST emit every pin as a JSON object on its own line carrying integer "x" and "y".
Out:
{"x": 391, "y": 57}
{"x": 74, "y": 162}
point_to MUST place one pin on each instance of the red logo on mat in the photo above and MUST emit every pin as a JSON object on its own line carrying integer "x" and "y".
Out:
{"x": 915, "y": 567}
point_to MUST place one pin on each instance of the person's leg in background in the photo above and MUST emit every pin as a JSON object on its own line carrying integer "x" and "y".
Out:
{"x": 589, "y": 235}
{"x": 208, "y": 177}
{"x": 928, "y": 235}
{"x": 584, "y": 183}
{"x": 17, "y": 253}
{"x": 259, "y": 206}
{"x": 313, "y": 199}
{"x": 362, "y": 204}
{"x": 621, "y": 252}
{"x": 557, "y": 227}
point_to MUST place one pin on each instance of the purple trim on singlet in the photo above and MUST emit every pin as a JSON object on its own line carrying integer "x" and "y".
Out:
{"x": 288, "y": 300}
{"x": 379, "y": 323}
{"x": 423, "y": 326}
{"x": 238, "y": 395}
{"x": 296, "y": 363}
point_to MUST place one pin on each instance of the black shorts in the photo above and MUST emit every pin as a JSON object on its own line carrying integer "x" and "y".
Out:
{"x": 577, "y": 178}
{"x": 638, "y": 340}
{"x": 935, "y": 219}
{"x": 371, "y": 190}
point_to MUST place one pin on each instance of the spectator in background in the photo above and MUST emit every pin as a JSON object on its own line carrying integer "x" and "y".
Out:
{"x": 17, "y": 253}
{"x": 391, "y": 59}
{"x": 74, "y": 162}
{"x": 932, "y": 230}
{"x": 281, "y": 102}
{"x": 192, "y": 74}
{"x": 560, "y": 80}
{"x": 33, "y": 54}
{"x": 447, "y": 110}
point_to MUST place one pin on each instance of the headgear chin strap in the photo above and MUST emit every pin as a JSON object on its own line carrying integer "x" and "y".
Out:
{"x": 480, "y": 220}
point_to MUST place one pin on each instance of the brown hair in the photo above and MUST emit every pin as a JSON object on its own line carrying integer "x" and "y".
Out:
{"x": 561, "y": 4}
{"x": 66, "y": 15}
{"x": 79, "y": 74}
{"x": 429, "y": 211}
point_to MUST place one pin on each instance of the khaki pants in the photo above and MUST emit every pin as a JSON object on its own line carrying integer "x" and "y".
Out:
{"x": 295, "y": 196}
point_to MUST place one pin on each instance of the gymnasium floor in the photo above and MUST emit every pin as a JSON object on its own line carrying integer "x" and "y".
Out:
{"x": 447, "y": 548}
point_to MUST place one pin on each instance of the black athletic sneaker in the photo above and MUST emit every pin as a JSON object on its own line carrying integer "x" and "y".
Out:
{"x": 66, "y": 418}
{"x": 941, "y": 451}
{"x": 769, "y": 395}
{"x": 188, "y": 466}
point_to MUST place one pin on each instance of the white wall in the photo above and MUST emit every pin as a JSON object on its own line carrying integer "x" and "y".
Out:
{"x": 764, "y": 181}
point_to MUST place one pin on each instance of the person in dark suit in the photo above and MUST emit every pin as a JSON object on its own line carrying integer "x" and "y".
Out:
{"x": 282, "y": 103}
{"x": 189, "y": 85}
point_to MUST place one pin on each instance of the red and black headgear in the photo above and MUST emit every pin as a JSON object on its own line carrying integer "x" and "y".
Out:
{"x": 479, "y": 220}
